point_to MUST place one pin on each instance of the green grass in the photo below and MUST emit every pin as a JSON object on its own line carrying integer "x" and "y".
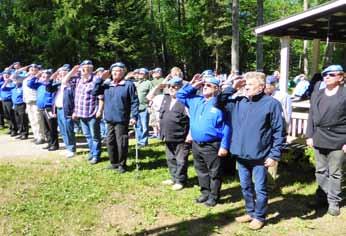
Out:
{"x": 71, "y": 197}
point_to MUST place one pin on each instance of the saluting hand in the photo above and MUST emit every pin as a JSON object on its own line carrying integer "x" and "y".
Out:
{"x": 310, "y": 142}
{"x": 239, "y": 83}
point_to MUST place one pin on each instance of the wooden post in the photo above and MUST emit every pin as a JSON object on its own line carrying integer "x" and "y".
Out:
{"x": 284, "y": 65}
{"x": 315, "y": 56}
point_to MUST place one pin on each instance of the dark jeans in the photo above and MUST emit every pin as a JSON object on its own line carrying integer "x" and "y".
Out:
{"x": 208, "y": 168}
{"x": 329, "y": 173}
{"x": 117, "y": 143}
{"x": 2, "y": 115}
{"x": 22, "y": 119}
{"x": 255, "y": 194}
{"x": 9, "y": 116}
{"x": 52, "y": 125}
{"x": 177, "y": 158}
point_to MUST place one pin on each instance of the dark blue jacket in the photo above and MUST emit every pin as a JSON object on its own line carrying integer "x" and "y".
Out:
{"x": 17, "y": 95}
{"x": 207, "y": 123}
{"x": 257, "y": 125}
{"x": 45, "y": 99}
{"x": 6, "y": 92}
{"x": 120, "y": 101}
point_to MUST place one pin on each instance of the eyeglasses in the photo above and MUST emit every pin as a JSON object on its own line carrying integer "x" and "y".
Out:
{"x": 174, "y": 87}
{"x": 331, "y": 74}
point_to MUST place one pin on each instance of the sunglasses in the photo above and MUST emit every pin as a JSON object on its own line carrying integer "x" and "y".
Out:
{"x": 331, "y": 74}
{"x": 174, "y": 87}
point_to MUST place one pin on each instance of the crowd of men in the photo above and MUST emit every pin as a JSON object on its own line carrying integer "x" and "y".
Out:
{"x": 245, "y": 115}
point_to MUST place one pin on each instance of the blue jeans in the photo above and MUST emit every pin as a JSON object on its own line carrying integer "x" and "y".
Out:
{"x": 103, "y": 126}
{"x": 91, "y": 131}
{"x": 142, "y": 127}
{"x": 66, "y": 126}
{"x": 255, "y": 204}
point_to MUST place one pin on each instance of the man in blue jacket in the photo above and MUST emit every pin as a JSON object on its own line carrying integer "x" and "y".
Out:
{"x": 257, "y": 137}
{"x": 210, "y": 134}
{"x": 120, "y": 109}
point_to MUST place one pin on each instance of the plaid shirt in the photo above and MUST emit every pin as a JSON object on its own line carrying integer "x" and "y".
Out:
{"x": 86, "y": 105}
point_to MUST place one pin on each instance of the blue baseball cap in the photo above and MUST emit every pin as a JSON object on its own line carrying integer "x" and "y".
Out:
{"x": 271, "y": 79}
{"x": 212, "y": 80}
{"x": 100, "y": 69}
{"x": 332, "y": 68}
{"x": 208, "y": 73}
{"x": 176, "y": 81}
{"x": 65, "y": 67}
{"x": 157, "y": 70}
{"x": 143, "y": 71}
{"x": 86, "y": 62}
{"x": 35, "y": 66}
{"x": 117, "y": 64}
{"x": 48, "y": 71}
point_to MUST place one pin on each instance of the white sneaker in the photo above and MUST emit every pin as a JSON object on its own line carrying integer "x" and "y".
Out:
{"x": 69, "y": 154}
{"x": 168, "y": 182}
{"x": 177, "y": 187}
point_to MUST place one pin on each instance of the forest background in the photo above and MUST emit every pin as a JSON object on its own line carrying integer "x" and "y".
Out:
{"x": 192, "y": 34}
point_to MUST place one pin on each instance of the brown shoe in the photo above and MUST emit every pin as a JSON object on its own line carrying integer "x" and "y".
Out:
{"x": 243, "y": 219}
{"x": 256, "y": 224}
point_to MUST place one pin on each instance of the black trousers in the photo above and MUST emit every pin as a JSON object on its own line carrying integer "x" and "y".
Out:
{"x": 177, "y": 160}
{"x": 208, "y": 167}
{"x": 51, "y": 124}
{"x": 22, "y": 119}
{"x": 2, "y": 115}
{"x": 9, "y": 115}
{"x": 117, "y": 143}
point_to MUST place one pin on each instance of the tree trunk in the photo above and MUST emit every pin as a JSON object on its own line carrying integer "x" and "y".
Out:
{"x": 162, "y": 37}
{"x": 259, "y": 42}
{"x": 235, "y": 35}
{"x": 152, "y": 33}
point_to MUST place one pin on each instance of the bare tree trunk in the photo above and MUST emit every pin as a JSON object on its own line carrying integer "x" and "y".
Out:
{"x": 217, "y": 62}
{"x": 235, "y": 35}
{"x": 162, "y": 37}
{"x": 259, "y": 42}
{"x": 306, "y": 45}
{"x": 152, "y": 34}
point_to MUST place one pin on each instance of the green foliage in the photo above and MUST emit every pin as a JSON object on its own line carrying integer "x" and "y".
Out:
{"x": 187, "y": 33}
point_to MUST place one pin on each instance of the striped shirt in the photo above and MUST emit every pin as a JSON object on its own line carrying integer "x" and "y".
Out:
{"x": 86, "y": 104}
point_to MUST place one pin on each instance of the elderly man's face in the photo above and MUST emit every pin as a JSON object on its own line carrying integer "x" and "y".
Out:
{"x": 118, "y": 73}
{"x": 209, "y": 90}
{"x": 45, "y": 77}
{"x": 62, "y": 73}
{"x": 253, "y": 87}
{"x": 173, "y": 89}
{"x": 33, "y": 70}
{"x": 16, "y": 66}
{"x": 6, "y": 77}
{"x": 86, "y": 70}
{"x": 269, "y": 89}
{"x": 141, "y": 76}
{"x": 156, "y": 75}
{"x": 333, "y": 78}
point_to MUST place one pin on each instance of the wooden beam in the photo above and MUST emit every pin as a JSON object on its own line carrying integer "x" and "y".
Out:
{"x": 315, "y": 56}
{"x": 284, "y": 64}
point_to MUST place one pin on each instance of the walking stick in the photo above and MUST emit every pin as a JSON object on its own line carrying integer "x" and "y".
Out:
{"x": 136, "y": 145}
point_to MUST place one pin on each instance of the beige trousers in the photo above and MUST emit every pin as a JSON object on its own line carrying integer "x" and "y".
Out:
{"x": 36, "y": 120}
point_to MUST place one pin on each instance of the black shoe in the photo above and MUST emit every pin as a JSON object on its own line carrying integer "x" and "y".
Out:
{"x": 19, "y": 137}
{"x": 333, "y": 210}
{"x": 24, "y": 137}
{"x": 14, "y": 134}
{"x": 201, "y": 199}
{"x": 46, "y": 147}
{"x": 121, "y": 169}
{"x": 112, "y": 167}
{"x": 210, "y": 202}
{"x": 52, "y": 148}
{"x": 317, "y": 204}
